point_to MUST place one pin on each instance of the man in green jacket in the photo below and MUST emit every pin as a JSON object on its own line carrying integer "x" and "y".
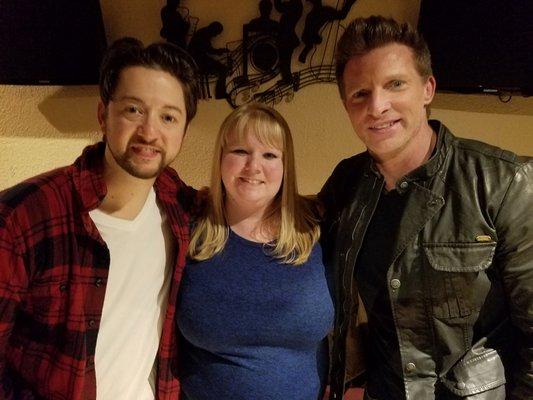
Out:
{"x": 432, "y": 234}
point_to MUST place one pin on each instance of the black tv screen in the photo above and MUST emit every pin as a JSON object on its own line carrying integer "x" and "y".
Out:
{"x": 57, "y": 42}
{"x": 480, "y": 45}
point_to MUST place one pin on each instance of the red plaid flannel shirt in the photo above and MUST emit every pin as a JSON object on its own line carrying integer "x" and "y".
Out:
{"x": 53, "y": 273}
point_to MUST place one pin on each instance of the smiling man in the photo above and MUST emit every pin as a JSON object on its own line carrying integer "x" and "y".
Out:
{"x": 429, "y": 233}
{"x": 91, "y": 254}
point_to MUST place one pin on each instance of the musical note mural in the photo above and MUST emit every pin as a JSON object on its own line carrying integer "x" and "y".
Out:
{"x": 260, "y": 66}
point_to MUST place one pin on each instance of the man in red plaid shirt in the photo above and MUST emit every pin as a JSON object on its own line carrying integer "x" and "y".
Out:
{"x": 91, "y": 254}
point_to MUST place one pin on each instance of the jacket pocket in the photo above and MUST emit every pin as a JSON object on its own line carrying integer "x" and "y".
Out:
{"x": 477, "y": 376}
{"x": 457, "y": 284}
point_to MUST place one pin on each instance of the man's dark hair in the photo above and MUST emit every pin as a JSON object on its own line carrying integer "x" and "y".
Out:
{"x": 130, "y": 52}
{"x": 365, "y": 34}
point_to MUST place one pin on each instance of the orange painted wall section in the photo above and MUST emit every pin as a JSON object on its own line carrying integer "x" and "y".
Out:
{"x": 43, "y": 127}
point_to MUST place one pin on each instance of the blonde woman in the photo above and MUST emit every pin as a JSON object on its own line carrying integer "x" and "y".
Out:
{"x": 255, "y": 307}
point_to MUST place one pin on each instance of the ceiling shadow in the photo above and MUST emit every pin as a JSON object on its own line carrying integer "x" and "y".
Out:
{"x": 72, "y": 110}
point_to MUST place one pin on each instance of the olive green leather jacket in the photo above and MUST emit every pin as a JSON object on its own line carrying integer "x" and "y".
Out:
{"x": 461, "y": 279}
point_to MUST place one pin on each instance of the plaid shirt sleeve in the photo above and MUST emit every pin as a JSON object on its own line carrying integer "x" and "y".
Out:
{"x": 50, "y": 302}
{"x": 13, "y": 283}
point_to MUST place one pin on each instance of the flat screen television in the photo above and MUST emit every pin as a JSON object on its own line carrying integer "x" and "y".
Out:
{"x": 480, "y": 45}
{"x": 50, "y": 42}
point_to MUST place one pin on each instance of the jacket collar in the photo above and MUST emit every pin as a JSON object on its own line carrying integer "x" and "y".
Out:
{"x": 434, "y": 164}
{"x": 431, "y": 166}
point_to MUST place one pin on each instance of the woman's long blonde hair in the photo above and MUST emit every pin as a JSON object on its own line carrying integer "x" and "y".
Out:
{"x": 291, "y": 218}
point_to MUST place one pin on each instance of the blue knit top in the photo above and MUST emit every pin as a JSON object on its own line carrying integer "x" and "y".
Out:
{"x": 252, "y": 327}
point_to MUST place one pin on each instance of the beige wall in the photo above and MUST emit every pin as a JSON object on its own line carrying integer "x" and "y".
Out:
{"x": 43, "y": 127}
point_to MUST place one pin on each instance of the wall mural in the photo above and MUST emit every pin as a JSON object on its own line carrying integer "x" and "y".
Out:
{"x": 259, "y": 67}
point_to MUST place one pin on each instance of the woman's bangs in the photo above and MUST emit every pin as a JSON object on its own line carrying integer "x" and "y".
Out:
{"x": 265, "y": 129}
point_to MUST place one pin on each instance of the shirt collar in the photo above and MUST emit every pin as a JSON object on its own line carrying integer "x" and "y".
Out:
{"x": 88, "y": 176}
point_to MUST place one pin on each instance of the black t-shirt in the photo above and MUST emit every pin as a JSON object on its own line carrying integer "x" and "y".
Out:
{"x": 385, "y": 378}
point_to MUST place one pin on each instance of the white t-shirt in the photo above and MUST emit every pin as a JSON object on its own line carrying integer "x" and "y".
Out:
{"x": 135, "y": 302}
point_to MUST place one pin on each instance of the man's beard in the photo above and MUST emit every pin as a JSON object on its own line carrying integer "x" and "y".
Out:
{"x": 125, "y": 161}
